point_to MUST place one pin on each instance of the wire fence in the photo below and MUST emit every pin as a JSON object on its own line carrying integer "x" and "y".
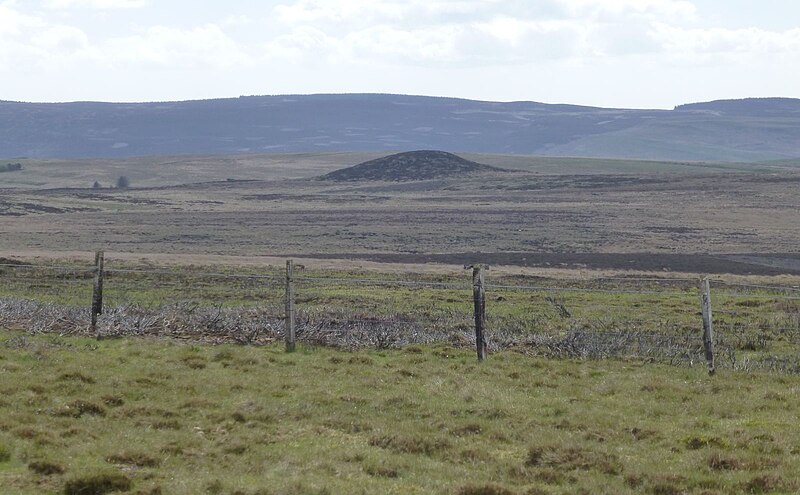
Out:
{"x": 756, "y": 326}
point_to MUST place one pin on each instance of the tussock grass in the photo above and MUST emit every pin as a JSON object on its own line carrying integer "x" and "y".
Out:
{"x": 97, "y": 484}
{"x": 255, "y": 420}
{"x": 573, "y": 458}
{"x": 484, "y": 490}
{"x": 5, "y": 453}
{"x": 45, "y": 468}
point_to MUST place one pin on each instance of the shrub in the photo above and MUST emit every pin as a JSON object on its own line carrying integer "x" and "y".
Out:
{"x": 123, "y": 182}
{"x": 11, "y": 167}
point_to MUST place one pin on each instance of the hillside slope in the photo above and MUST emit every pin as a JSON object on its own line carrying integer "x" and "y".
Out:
{"x": 754, "y": 129}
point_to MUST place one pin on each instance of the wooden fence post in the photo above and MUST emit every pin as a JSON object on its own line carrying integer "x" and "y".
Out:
{"x": 290, "y": 314}
{"x": 479, "y": 300}
{"x": 708, "y": 328}
{"x": 97, "y": 292}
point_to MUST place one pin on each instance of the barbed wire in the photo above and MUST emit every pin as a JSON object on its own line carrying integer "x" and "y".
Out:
{"x": 440, "y": 285}
{"x": 753, "y": 286}
{"x": 367, "y": 281}
{"x": 532, "y": 288}
{"x": 48, "y": 267}
{"x": 738, "y": 295}
{"x": 198, "y": 274}
{"x": 638, "y": 279}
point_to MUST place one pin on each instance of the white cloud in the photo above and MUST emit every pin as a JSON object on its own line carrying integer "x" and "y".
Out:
{"x": 370, "y": 11}
{"x": 14, "y": 23}
{"x": 433, "y": 45}
{"x": 61, "y": 38}
{"x": 459, "y": 33}
{"x": 719, "y": 41}
{"x": 673, "y": 9}
{"x": 295, "y": 45}
{"x": 202, "y": 47}
{"x": 327, "y": 44}
{"x": 94, "y": 4}
{"x": 511, "y": 29}
{"x": 30, "y": 43}
{"x": 456, "y": 33}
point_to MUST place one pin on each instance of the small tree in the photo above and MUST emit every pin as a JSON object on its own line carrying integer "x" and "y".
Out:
{"x": 123, "y": 182}
{"x": 96, "y": 185}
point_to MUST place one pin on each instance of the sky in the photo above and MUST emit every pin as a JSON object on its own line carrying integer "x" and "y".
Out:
{"x": 611, "y": 53}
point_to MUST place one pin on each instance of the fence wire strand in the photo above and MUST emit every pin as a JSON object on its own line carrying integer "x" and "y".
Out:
{"x": 24, "y": 266}
{"x": 532, "y": 288}
{"x": 754, "y": 286}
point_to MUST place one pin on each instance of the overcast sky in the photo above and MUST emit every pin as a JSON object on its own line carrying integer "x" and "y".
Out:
{"x": 623, "y": 53}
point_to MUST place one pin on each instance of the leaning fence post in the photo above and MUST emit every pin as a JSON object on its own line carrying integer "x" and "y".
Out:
{"x": 290, "y": 314}
{"x": 97, "y": 292}
{"x": 479, "y": 300}
{"x": 708, "y": 328}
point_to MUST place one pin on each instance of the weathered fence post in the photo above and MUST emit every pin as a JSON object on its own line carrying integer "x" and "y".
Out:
{"x": 479, "y": 299}
{"x": 290, "y": 315}
{"x": 708, "y": 328}
{"x": 97, "y": 292}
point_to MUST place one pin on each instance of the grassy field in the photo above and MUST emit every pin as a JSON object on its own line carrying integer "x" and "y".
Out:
{"x": 161, "y": 417}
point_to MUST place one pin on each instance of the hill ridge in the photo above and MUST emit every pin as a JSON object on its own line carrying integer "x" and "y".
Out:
{"x": 724, "y": 130}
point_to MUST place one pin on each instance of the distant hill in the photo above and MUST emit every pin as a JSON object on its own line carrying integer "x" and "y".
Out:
{"x": 409, "y": 166}
{"x": 733, "y": 130}
{"x": 747, "y": 107}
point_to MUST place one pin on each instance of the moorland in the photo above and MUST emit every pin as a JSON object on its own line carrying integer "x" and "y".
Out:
{"x": 614, "y": 214}
{"x": 168, "y": 407}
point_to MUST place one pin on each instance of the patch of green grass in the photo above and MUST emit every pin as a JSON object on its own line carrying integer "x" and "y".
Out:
{"x": 425, "y": 420}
